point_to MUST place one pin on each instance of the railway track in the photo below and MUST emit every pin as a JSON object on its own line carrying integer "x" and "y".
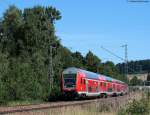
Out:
{"x": 25, "y": 108}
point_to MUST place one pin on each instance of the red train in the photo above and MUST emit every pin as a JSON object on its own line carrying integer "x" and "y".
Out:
{"x": 81, "y": 83}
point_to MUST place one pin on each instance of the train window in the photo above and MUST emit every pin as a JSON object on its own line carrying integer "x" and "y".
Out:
{"x": 81, "y": 80}
{"x": 96, "y": 89}
{"x": 93, "y": 82}
{"x": 84, "y": 81}
{"x": 110, "y": 89}
{"x": 90, "y": 88}
{"x": 104, "y": 84}
{"x": 101, "y": 84}
{"x": 113, "y": 85}
{"x": 69, "y": 80}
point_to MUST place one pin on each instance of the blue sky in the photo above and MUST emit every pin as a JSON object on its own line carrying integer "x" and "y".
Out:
{"x": 89, "y": 24}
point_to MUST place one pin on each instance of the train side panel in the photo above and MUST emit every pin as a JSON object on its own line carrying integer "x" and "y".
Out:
{"x": 92, "y": 87}
{"x": 81, "y": 84}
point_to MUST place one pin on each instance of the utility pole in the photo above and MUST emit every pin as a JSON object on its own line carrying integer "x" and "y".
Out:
{"x": 50, "y": 68}
{"x": 126, "y": 60}
{"x": 50, "y": 55}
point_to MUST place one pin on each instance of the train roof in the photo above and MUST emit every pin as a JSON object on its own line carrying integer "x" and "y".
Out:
{"x": 90, "y": 75}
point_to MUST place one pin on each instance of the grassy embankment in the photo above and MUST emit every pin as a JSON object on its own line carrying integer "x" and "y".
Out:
{"x": 121, "y": 106}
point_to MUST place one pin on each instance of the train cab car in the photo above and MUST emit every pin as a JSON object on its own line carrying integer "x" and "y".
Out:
{"x": 81, "y": 83}
{"x": 78, "y": 82}
{"x": 69, "y": 83}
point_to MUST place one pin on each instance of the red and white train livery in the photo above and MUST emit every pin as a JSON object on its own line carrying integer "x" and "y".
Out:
{"x": 82, "y": 83}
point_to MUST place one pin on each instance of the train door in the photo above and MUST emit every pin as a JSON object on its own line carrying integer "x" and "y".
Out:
{"x": 82, "y": 84}
{"x": 105, "y": 86}
{"x": 86, "y": 82}
{"x": 114, "y": 87}
{"x": 96, "y": 86}
{"x": 101, "y": 86}
{"x": 109, "y": 86}
{"x": 90, "y": 86}
{"x": 118, "y": 88}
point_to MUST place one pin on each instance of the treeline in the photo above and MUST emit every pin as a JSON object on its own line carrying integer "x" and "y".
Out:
{"x": 141, "y": 66}
{"x": 25, "y": 38}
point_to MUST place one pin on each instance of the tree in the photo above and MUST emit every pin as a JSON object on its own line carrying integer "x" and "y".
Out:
{"x": 79, "y": 60}
{"x": 10, "y": 41}
{"x": 26, "y": 37}
{"x": 148, "y": 79}
{"x": 4, "y": 68}
{"x": 135, "y": 81}
{"x": 92, "y": 61}
{"x": 148, "y": 76}
{"x": 139, "y": 66}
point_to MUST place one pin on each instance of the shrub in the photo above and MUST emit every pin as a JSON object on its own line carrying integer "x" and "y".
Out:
{"x": 135, "y": 108}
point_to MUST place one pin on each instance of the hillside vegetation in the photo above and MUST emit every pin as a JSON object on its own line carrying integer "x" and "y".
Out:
{"x": 141, "y": 66}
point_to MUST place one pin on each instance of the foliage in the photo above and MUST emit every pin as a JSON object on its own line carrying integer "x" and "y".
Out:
{"x": 3, "y": 71}
{"x": 141, "y": 66}
{"x": 148, "y": 76}
{"x": 135, "y": 81}
{"x": 25, "y": 38}
{"x": 137, "y": 107}
{"x": 92, "y": 61}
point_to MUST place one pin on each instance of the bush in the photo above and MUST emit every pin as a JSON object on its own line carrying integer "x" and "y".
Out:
{"x": 136, "y": 108}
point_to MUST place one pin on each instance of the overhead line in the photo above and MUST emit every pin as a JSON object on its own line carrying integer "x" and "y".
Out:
{"x": 117, "y": 57}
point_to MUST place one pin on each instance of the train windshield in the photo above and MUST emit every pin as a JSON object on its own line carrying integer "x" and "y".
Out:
{"x": 69, "y": 80}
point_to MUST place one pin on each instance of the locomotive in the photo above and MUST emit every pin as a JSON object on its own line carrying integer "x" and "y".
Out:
{"x": 81, "y": 83}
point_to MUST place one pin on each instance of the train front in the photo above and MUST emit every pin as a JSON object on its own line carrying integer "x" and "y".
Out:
{"x": 69, "y": 77}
